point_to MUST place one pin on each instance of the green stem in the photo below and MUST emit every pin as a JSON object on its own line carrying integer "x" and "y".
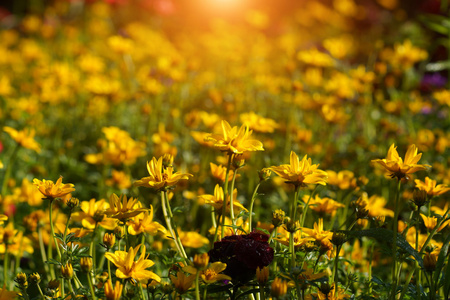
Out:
{"x": 262, "y": 292}
{"x": 183, "y": 252}
{"x": 71, "y": 289}
{"x": 293, "y": 213}
{"x": 394, "y": 243}
{"x": 25, "y": 294}
{"x": 250, "y": 216}
{"x": 335, "y": 269}
{"x": 141, "y": 291}
{"x": 91, "y": 286}
{"x": 40, "y": 292}
{"x": 167, "y": 217}
{"x": 233, "y": 220}
{"x": 197, "y": 287}
{"x": 292, "y": 249}
{"x": 91, "y": 248}
{"x": 306, "y": 207}
{"x": 50, "y": 210}
{"x": 225, "y": 195}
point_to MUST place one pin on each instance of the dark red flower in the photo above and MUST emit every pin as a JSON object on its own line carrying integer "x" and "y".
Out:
{"x": 243, "y": 254}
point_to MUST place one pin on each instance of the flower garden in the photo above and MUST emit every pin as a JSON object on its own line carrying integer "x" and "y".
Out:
{"x": 222, "y": 149}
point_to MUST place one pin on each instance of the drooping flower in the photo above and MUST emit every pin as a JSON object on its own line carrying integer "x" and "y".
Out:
{"x": 161, "y": 177}
{"x": 431, "y": 222}
{"x": 123, "y": 208}
{"x": 242, "y": 254}
{"x": 431, "y": 188}
{"x": 300, "y": 173}
{"x": 234, "y": 140}
{"x": 127, "y": 267}
{"x": 25, "y": 138}
{"x": 395, "y": 165}
{"x": 53, "y": 190}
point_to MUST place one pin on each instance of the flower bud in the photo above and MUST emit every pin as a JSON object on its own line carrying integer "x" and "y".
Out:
{"x": 53, "y": 284}
{"x": 429, "y": 262}
{"x": 86, "y": 264}
{"x": 167, "y": 160}
{"x": 238, "y": 161}
{"x": 73, "y": 203}
{"x": 278, "y": 217}
{"x": 67, "y": 271}
{"x": 338, "y": 238}
{"x": 201, "y": 261}
{"x": 119, "y": 232}
{"x": 326, "y": 288}
{"x": 35, "y": 278}
{"x": 109, "y": 239}
{"x": 278, "y": 288}
{"x": 262, "y": 275}
{"x": 264, "y": 174}
{"x": 21, "y": 280}
{"x": 292, "y": 226}
{"x": 419, "y": 198}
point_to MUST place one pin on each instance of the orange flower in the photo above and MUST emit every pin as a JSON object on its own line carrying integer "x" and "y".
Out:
{"x": 395, "y": 165}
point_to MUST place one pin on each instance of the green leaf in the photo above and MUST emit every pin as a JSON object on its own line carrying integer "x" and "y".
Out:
{"x": 383, "y": 235}
{"x": 252, "y": 291}
{"x": 52, "y": 261}
{"x": 441, "y": 259}
{"x": 447, "y": 281}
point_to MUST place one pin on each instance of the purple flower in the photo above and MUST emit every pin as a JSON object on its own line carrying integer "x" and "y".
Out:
{"x": 432, "y": 81}
{"x": 243, "y": 254}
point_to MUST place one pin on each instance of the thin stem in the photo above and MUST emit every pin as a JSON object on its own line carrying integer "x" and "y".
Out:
{"x": 183, "y": 252}
{"x": 91, "y": 248}
{"x": 40, "y": 291}
{"x": 250, "y": 217}
{"x": 55, "y": 242}
{"x": 71, "y": 288}
{"x": 394, "y": 243}
{"x": 141, "y": 291}
{"x": 197, "y": 287}
{"x": 167, "y": 217}
{"x": 262, "y": 292}
{"x": 292, "y": 249}
{"x": 306, "y": 207}
{"x": 91, "y": 286}
{"x": 335, "y": 269}
{"x": 233, "y": 220}
{"x": 225, "y": 195}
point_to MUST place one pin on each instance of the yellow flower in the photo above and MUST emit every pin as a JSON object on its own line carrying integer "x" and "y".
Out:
{"x": 375, "y": 205}
{"x": 192, "y": 239}
{"x": 234, "y": 140}
{"x": 323, "y": 206}
{"x": 144, "y": 223}
{"x": 123, "y": 208}
{"x": 431, "y": 188}
{"x": 92, "y": 213}
{"x": 343, "y": 179}
{"x": 3, "y": 218}
{"x": 119, "y": 179}
{"x": 394, "y": 164}
{"x": 278, "y": 288}
{"x": 212, "y": 275}
{"x": 258, "y": 123}
{"x": 160, "y": 177}
{"x": 113, "y": 293}
{"x": 219, "y": 172}
{"x": 431, "y": 222}
{"x": 129, "y": 268}
{"x": 217, "y": 200}
{"x": 299, "y": 239}
{"x": 300, "y": 173}
{"x": 25, "y": 138}
{"x": 181, "y": 282}
{"x": 53, "y": 190}
{"x": 318, "y": 233}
